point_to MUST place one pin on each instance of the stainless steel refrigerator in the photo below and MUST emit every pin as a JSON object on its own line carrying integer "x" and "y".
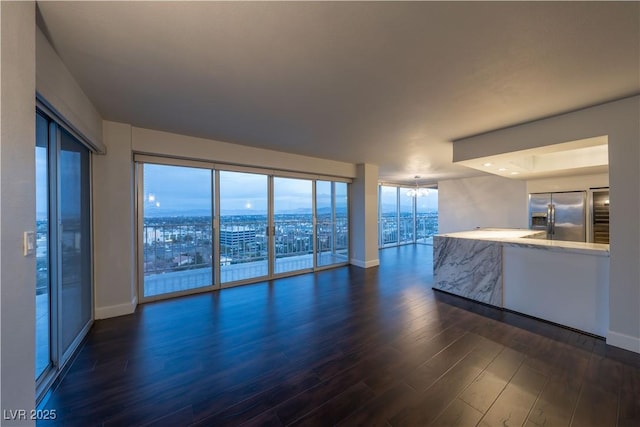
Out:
{"x": 562, "y": 215}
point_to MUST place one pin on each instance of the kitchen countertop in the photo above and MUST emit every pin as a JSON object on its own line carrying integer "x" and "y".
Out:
{"x": 526, "y": 238}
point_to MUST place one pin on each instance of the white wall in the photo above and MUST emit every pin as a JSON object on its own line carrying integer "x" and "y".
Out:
{"x": 487, "y": 201}
{"x": 55, "y": 83}
{"x": 113, "y": 220}
{"x": 170, "y": 144}
{"x": 619, "y": 121}
{"x": 364, "y": 217}
{"x": 568, "y": 183}
{"x": 17, "y": 206}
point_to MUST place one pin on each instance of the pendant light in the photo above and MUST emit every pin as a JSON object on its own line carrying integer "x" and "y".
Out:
{"x": 417, "y": 191}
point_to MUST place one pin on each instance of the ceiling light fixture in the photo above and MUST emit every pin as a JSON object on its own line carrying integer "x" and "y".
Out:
{"x": 417, "y": 192}
{"x": 487, "y": 164}
{"x": 502, "y": 169}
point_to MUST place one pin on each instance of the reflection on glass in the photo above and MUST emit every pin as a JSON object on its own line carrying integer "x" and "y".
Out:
{"x": 177, "y": 231}
{"x": 293, "y": 220}
{"x": 75, "y": 256}
{"x": 388, "y": 215}
{"x": 42, "y": 247}
{"x": 332, "y": 223}
{"x": 244, "y": 249}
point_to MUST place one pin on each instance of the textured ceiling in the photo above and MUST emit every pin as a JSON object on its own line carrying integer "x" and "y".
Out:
{"x": 387, "y": 83}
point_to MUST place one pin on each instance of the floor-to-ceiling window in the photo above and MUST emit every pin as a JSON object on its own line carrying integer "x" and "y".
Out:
{"x": 406, "y": 216}
{"x": 427, "y": 216}
{"x": 341, "y": 222}
{"x": 388, "y": 215}
{"x": 293, "y": 224}
{"x": 177, "y": 230}
{"x": 244, "y": 226}
{"x": 64, "y": 291}
{"x": 332, "y": 223}
{"x": 74, "y": 240}
{"x": 203, "y": 226}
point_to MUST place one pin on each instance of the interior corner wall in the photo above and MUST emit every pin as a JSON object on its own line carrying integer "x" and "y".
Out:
{"x": 486, "y": 201}
{"x": 17, "y": 209}
{"x": 57, "y": 86}
{"x": 113, "y": 220}
{"x": 620, "y": 122}
{"x": 364, "y": 217}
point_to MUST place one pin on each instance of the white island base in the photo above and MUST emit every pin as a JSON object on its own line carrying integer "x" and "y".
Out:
{"x": 562, "y": 282}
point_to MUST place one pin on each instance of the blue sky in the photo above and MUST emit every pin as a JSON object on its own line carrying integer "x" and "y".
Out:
{"x": 171, "y": 188}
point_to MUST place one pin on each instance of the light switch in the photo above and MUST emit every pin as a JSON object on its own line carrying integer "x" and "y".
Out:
{"x": 29, "y": 243}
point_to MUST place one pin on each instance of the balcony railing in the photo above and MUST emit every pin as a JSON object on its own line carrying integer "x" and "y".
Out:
{"x": 178, "y": 256}
{"x": 392, "y": 232}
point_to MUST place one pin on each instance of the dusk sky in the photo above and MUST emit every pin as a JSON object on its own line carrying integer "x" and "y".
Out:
{"x": 168, "y": 189}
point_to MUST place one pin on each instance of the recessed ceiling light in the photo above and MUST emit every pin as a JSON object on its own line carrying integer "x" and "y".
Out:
{"x": 515, "y": 173}
{"x": 487, "y": 164}
{"x": 502, "y": 169}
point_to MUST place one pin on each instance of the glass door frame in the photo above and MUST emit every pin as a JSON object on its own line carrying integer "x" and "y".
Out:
{"x": 272, "y": 226}
{"x": 139, "y": 228}
{"x": 139, "y": 159}
{"x": 269, "y": 225}
{"x": 58, "y": 356}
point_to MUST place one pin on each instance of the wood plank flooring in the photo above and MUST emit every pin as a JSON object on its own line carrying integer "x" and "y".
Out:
{"x": 348, "y": 346}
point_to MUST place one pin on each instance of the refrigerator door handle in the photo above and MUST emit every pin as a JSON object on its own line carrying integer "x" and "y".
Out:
{"x": 549, "y": 220}
{"x": 553, "y": 219}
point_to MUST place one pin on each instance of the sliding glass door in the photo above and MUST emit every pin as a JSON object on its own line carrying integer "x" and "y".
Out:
{"x": 177, "y": 230}
{"x": 244, "y": 226}
{"x": 74, "y": 240}
{"x": 293, "y": 224}
{"x": 332, "y": 223}
{"x": 64, "y": 290}
{"x": 43, "y": 265}
{"x": 202, "y": 227}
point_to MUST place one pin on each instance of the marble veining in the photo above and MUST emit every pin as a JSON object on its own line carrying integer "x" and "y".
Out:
{"x": 469, "y": 268}
{"x": 525, "y": 238}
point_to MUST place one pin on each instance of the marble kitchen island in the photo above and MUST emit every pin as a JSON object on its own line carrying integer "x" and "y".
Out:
{"x": 562, "y": 282}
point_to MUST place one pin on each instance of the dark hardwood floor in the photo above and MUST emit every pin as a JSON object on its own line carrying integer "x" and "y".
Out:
{"x": 347, "y": 347}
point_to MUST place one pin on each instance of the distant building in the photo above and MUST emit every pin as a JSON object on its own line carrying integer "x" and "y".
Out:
{"x": 237, "y": 235}
{"x": 183, "y": 259}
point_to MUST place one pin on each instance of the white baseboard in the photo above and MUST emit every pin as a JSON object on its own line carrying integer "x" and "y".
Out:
{"x": 116, "y": 310}
{"x": 365, "y": 264}
{"x": 626, "y": 342}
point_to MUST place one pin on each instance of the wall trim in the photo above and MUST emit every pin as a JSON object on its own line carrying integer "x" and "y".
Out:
{"x": 365, "y": 264}
{"x": 116, "y": 310}
{"x": 624, "y": 341}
